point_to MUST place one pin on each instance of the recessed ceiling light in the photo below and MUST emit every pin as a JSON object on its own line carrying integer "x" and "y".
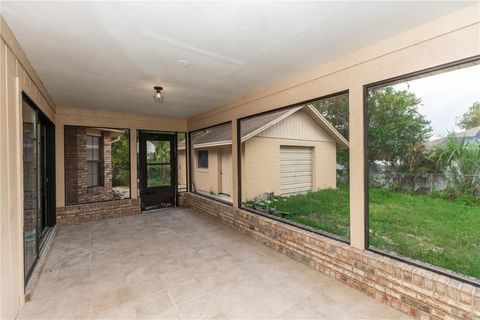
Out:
{"x": 183, "y": 63}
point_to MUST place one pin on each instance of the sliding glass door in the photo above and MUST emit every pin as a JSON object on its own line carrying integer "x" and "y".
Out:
{"x": 38, "y": 179}
{"x": 30, "y": 194}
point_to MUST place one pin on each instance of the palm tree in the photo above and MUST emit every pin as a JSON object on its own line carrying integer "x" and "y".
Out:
{"x": 460, "y": 161}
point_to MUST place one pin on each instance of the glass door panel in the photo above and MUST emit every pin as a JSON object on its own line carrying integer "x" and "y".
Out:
{"x": 159, "y": 171}
{"x": 157, "y": 164}
{"x": 38, "y": 178}
{"x": 30, "y": 187}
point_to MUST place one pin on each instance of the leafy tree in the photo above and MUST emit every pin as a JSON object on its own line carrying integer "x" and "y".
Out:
{"x": 471, "y": 118}
{"x": 121, "y": 160}
{"x": 395, "y": 126}
{"x": 162, "y": 151}
{"x": 335, "y": 110}
{"x": 396, "y": 129}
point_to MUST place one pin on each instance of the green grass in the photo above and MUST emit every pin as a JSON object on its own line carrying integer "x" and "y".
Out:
{"x": 428, "y": 228}
{"x": 158, "y": 182}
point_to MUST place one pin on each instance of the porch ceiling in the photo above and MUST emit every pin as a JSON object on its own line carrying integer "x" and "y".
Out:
{"x": 109, "y": 55}
{"x": 173, "y": 263}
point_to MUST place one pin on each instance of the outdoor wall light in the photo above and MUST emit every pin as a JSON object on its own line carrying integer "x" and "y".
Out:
{"x": 158, "y": 96}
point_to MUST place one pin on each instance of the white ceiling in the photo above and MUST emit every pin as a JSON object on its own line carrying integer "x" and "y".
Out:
{"x": 109, "y": 55}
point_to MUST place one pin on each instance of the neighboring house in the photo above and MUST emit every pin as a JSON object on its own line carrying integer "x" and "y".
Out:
{"x": 285, "y": 152}
{"x": 89, "y": 173}
{"x": 472, "y": 134}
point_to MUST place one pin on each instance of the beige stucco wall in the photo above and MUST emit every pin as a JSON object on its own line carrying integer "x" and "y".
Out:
{"x": 261, "y": 155}
{"x": 16, "y": 75}
{"x": 181, "y": 167}
{"x": 453, "y": 37}
{"x": 261, "y": 165}
{"x": 207, "y": 180}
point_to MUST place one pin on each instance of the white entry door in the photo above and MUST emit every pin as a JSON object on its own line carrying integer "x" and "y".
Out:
{"x": 295, "y": 170}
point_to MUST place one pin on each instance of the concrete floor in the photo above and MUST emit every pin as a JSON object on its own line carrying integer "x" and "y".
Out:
{"x": 172, "y": 263}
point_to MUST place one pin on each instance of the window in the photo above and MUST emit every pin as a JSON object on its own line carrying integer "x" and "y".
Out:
{"x": 424, "y": 168}
{"x": 159, "y": 158}
{"x": 94, "y": 164}
{"x": 97, "y": 164}
{"x": 294, "y": 165}
{"x": 202, "y": 158}
{"x": 211, "y": 149}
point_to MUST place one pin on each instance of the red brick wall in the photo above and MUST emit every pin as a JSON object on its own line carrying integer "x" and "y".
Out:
{"x": 87, "y": 212}
{"x": 76, "y": 189}
{"x": 415, "y": 291}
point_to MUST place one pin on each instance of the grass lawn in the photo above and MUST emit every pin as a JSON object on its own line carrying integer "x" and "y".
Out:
{"x": 431, "y": 229}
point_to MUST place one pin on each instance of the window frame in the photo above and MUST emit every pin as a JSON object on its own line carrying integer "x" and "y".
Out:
{"x": 239, "y": 171}
{"x": 96, "y": 162}
{"x": 202, "y": 168}
{"x": 128, "y": 130}
{"x": 192, "y": 164}
{"x": 187, "y": 178}
{"x": 439, "y": 69}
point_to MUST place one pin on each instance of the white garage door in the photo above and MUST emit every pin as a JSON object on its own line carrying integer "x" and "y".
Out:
{"x": 295, "y": 170}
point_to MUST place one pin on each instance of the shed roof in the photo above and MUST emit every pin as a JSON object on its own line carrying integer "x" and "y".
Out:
{"x": 221, "y": 135}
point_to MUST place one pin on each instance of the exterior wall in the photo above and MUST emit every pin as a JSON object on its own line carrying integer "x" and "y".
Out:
{"x": 416, "y": 292}
{"x": 81, "y": 117}
{"x": 96, "y": 211}
{"x": 261, "y": 155}
{"x": 76, "y": 188}
{"x": 208, "y": 180}
{"x": 298, "y": 126}
{"x": 182, "y": 173}
{"x": 66, "y": 117}
{"x": 453, "y": 37}
{"x": 16, "y": 75}
{"x": 261, "y": 165}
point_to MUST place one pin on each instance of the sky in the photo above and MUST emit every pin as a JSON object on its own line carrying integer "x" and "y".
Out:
{"x": 446, "y": 97}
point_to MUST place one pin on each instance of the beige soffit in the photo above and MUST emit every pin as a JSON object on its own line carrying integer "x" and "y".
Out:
{"x": 213, "y": 144}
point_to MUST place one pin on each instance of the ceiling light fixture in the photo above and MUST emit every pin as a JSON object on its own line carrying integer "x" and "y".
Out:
{"x": 158, "y": 96}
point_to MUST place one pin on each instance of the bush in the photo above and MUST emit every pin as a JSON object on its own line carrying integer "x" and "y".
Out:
{"x": 121, "y": 177}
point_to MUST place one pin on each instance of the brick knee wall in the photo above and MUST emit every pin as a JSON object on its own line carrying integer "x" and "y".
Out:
{"x": 415, "y": 291}
{"x": 96, "y": 211}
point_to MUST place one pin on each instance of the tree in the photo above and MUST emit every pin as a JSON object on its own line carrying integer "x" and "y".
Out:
{"x": 471, "y": 118}
{"x": 121, "y": 160}
{"x": 335, "y": 110}
{"x": 394, "y": 126}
